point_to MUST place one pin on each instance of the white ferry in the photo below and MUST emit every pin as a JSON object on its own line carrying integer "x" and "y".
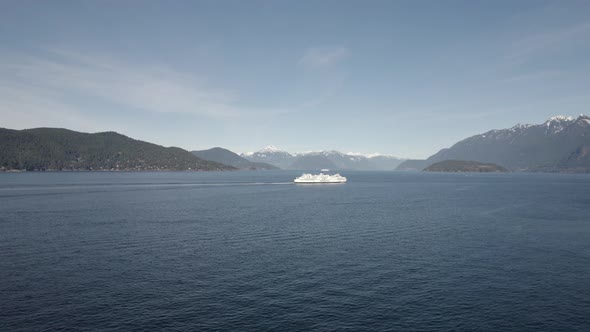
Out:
{"x": 320, "y": 178}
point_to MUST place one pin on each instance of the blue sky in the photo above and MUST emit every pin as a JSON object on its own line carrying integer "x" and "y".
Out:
{"x": 397, "y": 77}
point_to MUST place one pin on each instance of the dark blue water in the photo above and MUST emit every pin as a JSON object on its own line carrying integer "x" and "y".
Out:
{"x": 252, "y": 251}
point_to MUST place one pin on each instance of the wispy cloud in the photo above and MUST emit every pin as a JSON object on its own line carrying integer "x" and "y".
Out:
{"x": 555, "y": 39}
{"x": 324, "y": 56}
{"x": 534, "y": 76}
{"x": 27, "y": 107}
{"x": 65, "y": 80}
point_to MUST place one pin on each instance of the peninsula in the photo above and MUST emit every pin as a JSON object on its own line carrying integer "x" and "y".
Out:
{"x": 464, "y": 166}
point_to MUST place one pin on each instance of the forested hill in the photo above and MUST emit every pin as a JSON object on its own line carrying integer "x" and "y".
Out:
{"x": 43, "y": 149}
{"x": 464, "y": 166}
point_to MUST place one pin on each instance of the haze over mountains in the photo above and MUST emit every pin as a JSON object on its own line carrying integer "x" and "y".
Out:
{"x": 227, "y": 157}
{"x": 323, "y": 159}
{"x": 559, "y": 144}
{"x": 271, "y": 155}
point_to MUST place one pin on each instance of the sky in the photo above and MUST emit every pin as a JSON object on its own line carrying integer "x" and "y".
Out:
{"x": 405, "y": 78}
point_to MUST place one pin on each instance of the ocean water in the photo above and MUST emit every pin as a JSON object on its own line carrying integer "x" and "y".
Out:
{"x": 250, "y": 251}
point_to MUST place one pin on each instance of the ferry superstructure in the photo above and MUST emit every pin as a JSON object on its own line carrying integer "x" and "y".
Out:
{"x": 320, "y": 178}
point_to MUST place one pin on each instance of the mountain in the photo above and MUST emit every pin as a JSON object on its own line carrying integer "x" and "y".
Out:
{"x": 270, "y": 155}
{"x": 385, "y": 163}
{"x": 227, "y": 157}
{"x": 43, "y": 149}
{"x": 577, "y": 162}
{"x": 339, "y": 160}
{"x": 412, "y": 165}
{"x": 312, "y": 162}
{"x": 464, "y": 166}
{"x": 323, "y": 159}
{"x": 550, "y": 146}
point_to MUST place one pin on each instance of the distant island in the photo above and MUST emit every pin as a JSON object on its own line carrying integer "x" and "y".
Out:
{"x": 464, "y": 166}
{"x": 54, "y": 149}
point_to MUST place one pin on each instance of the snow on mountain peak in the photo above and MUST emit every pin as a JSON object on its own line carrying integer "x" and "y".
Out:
{"x": 355, "y": 154}
{"x": 270, "y": 148}
{"x": 521, "y": 126}
{"x": 558, "y": 123}
{"x": 583, "y": 119}
{"x": 371, "y": 155}
{"x": 560, "y": 118}
{"x": 330, "y": 152}
{"x": 358, "y": 154}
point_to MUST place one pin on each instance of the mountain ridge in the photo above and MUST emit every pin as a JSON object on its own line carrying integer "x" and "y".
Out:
{"x": 59, "y": 149}
{"x": 540, "y": 147}
{"x": 230, "y": 158}
{"x": 322, "y": 159}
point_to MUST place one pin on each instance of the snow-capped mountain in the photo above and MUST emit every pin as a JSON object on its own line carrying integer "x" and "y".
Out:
{"x": 345, "y": 161}
{"x": 545, "y": 146}
{"x": 358, "y": 161}
{"x": 323, "y": 159}
{"x": 267, "y": 150}
{"x": 558, "y": 123}
{"x": 271, "y": 155}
